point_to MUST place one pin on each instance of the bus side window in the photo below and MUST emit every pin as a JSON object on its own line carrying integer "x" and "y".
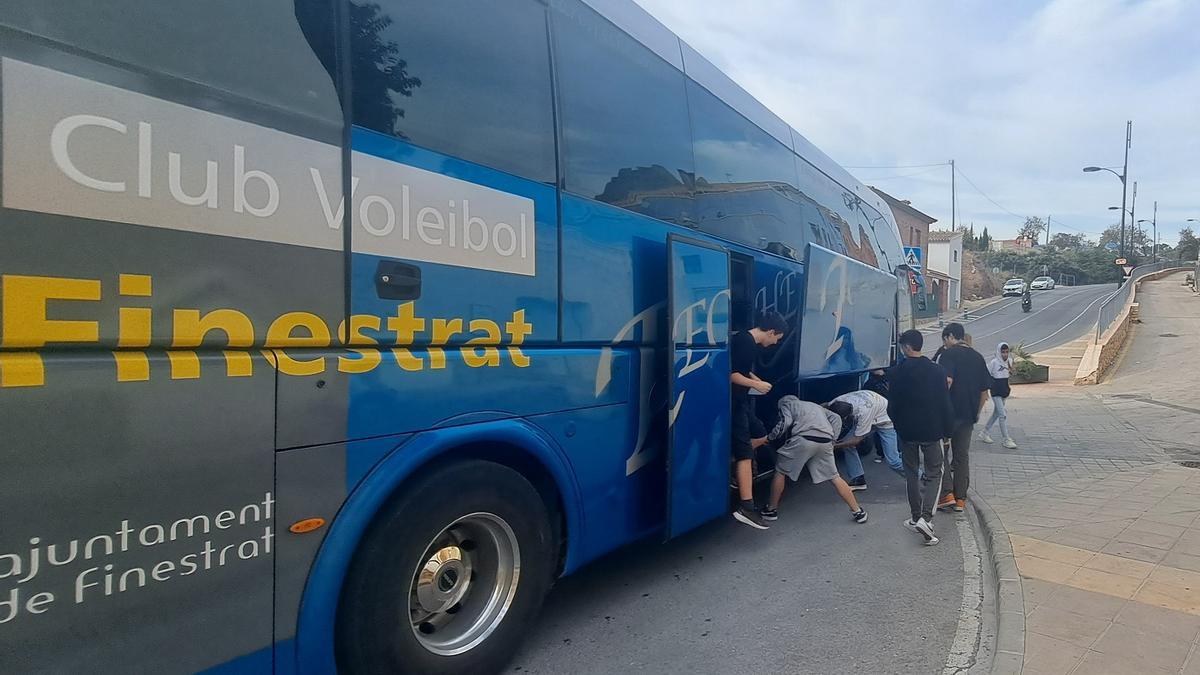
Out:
{"x": 745, "y": 179}
{"x": 262, "y": 51}
{"x": 468, "y": 78}
{"x": 624, "y": 118}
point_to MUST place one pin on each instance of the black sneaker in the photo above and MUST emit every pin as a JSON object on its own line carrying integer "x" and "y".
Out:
{"x": 857, "y": 484}
{"x": 751, "y": 518}
{"x": 859, "y": 516}
{"x": 770, "y": 515}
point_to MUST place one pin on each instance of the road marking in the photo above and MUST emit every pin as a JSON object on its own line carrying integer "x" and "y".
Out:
{"x": 1009, "y": 326}
{"x": 1067, "y": 324}
{"x": 1000, "y": 309}
{"x": 970, "y": 622}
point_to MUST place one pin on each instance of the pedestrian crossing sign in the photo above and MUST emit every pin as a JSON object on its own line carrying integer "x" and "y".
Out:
{"x": 912, "y": 258}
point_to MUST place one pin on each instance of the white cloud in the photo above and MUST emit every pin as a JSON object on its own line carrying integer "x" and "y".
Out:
{"x": 1022, "y": 95}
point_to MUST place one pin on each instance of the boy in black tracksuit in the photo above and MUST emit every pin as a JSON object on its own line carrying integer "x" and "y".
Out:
{"x": 919, "y": 406}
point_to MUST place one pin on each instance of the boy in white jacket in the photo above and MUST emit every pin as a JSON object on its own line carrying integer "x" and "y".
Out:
{"x": 1000, "y": 368}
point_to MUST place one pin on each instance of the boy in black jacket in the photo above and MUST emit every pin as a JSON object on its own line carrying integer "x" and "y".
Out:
{"x": 919, "y": 406}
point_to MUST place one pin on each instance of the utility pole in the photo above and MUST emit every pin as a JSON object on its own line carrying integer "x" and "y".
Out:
{"x": 1133, "y": 218}
{"x": 1047, "y": 230}
{"x": 1154, "y": 254}
{"x": 1125, "y": 180}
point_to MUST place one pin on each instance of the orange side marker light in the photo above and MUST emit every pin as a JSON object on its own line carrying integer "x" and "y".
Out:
{"x": 306, "y": 525}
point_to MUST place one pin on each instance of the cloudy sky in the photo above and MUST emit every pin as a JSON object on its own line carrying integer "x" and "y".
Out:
{"x": 1020, "y": 94}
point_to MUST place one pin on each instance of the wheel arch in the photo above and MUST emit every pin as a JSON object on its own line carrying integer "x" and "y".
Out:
{"x": 517, "y": 444}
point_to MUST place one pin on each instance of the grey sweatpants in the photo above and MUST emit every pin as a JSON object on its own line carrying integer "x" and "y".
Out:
{"x": 922, "y": 491}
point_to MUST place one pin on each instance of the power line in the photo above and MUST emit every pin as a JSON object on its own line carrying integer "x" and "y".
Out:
{"x": 985, "y": 195}
{"x": 907, "y": 175}
{"x": 898, "y": 166}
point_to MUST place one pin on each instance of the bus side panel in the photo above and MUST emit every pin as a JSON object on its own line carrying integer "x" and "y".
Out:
{"x": 614, "y": 293}
{"x": 137, "y": 527}
{"x": 618, "y": 505}
{"x": 315, "y": 485}
{"x": 164, "y": 459}
{"x": 849, "y": 315}
{"x": 778, "y": 287}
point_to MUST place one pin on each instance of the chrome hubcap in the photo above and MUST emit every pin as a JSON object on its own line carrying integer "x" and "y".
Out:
{"x": 464, "y": 584}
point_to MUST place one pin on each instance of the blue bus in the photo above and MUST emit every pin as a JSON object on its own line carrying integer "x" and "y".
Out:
{"x": 333, "y": 331}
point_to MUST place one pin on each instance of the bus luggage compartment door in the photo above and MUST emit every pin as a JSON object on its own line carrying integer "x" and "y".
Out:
{"x": 698, "y": 415}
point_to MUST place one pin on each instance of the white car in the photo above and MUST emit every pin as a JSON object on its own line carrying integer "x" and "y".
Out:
{"x": 1014, "y": 287}
{"x": 1042, "y": 284}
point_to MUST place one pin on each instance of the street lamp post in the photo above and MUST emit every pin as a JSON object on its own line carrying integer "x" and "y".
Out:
{"x": 1131, "y": 227}
{"x": 1122, "y": 175}
{"x": 1154, "y": 224}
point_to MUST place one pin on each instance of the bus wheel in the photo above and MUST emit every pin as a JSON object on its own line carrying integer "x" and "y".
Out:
{"x": 450, "y": 575}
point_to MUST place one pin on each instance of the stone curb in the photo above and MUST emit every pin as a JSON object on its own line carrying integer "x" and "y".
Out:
{"x": 1009, "y": 656}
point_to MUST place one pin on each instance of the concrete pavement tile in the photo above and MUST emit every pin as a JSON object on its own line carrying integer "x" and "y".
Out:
{"x": 1095, "y": 663}
{"x": 1037, "y": 592}
{"x": 1087, "y": 603}
{"x": 1135, "y": 551}
{"x": 1193, "y": 665}
{"x": 1007, "y": 663}
{"x": 1117, "y": 565}
{"x": 1044, "y": 654}
{"x": 1146, "y": 525}
{"x": 1083, "y": 541}
{"x": 1190, "y": 536}
{"x": 1147, "y": 648}
{"x": 1077, "y": 629}
{"x": 1186, "y": 579}
{"x": 1046, "y": 570}
{"x": 1117, "y": 585}
{"x": 1048, "y": 550}
{"x": 1182, "y": 561}
{"x": 1010, "y": 635}
{"x": 1178, "y": 625}
{"x": 1106, "y": 529}
{"x": 1172, "y": 517}
{"x": 1169, "y": 597}
{"x": 1189, "y": 547}
{"x": 1133, "y": 536}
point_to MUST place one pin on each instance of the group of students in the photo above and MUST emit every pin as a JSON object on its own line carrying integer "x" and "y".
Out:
{"x": 921, "y": 413}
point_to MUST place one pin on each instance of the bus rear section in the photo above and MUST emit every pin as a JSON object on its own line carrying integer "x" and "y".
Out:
{"x": 332, "y": 331}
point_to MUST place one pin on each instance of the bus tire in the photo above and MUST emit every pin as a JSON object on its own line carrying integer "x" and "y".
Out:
{"x": 449, "y": 576}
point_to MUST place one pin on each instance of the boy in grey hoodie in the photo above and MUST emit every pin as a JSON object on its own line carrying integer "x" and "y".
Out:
{"x": 810, "y": 431}
{"x": 1000, "y": 367}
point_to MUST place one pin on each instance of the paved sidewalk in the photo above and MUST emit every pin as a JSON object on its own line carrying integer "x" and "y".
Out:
{"x": 1103, "y": 519}
{"x": 1063, "y": 360}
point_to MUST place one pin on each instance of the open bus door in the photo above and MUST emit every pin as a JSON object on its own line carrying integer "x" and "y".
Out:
{"x": 698, "y": 416}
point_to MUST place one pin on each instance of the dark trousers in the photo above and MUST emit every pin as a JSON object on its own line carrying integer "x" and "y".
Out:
{"x": 922, "y": 492}
{"x": 958, "y": 468}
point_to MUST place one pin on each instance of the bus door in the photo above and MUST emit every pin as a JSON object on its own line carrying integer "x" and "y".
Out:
{"x": 698, "y": 414}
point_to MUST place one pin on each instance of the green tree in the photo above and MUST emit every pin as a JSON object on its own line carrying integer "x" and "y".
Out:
{"x": 985, "y": 240}
{"x": 1136, "y": 241}
{"x": 1032, "y": 229}
{"x": 1068, "y": 242}
{"x": 1189, "y": 246}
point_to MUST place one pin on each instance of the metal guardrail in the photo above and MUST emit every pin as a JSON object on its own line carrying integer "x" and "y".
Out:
{"x": 1111, "y": 308}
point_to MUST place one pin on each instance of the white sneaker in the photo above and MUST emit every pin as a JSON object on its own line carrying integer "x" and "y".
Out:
{"x": 983, "y": 436}
{"x": 926, "y": 529}
{"x": 910, "y": 524}
{"x": 1010, "y": 444}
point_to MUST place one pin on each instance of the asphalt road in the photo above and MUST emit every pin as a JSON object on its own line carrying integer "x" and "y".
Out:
{"x": 816, "y": 593}
{"x": 1058, "y": 316}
